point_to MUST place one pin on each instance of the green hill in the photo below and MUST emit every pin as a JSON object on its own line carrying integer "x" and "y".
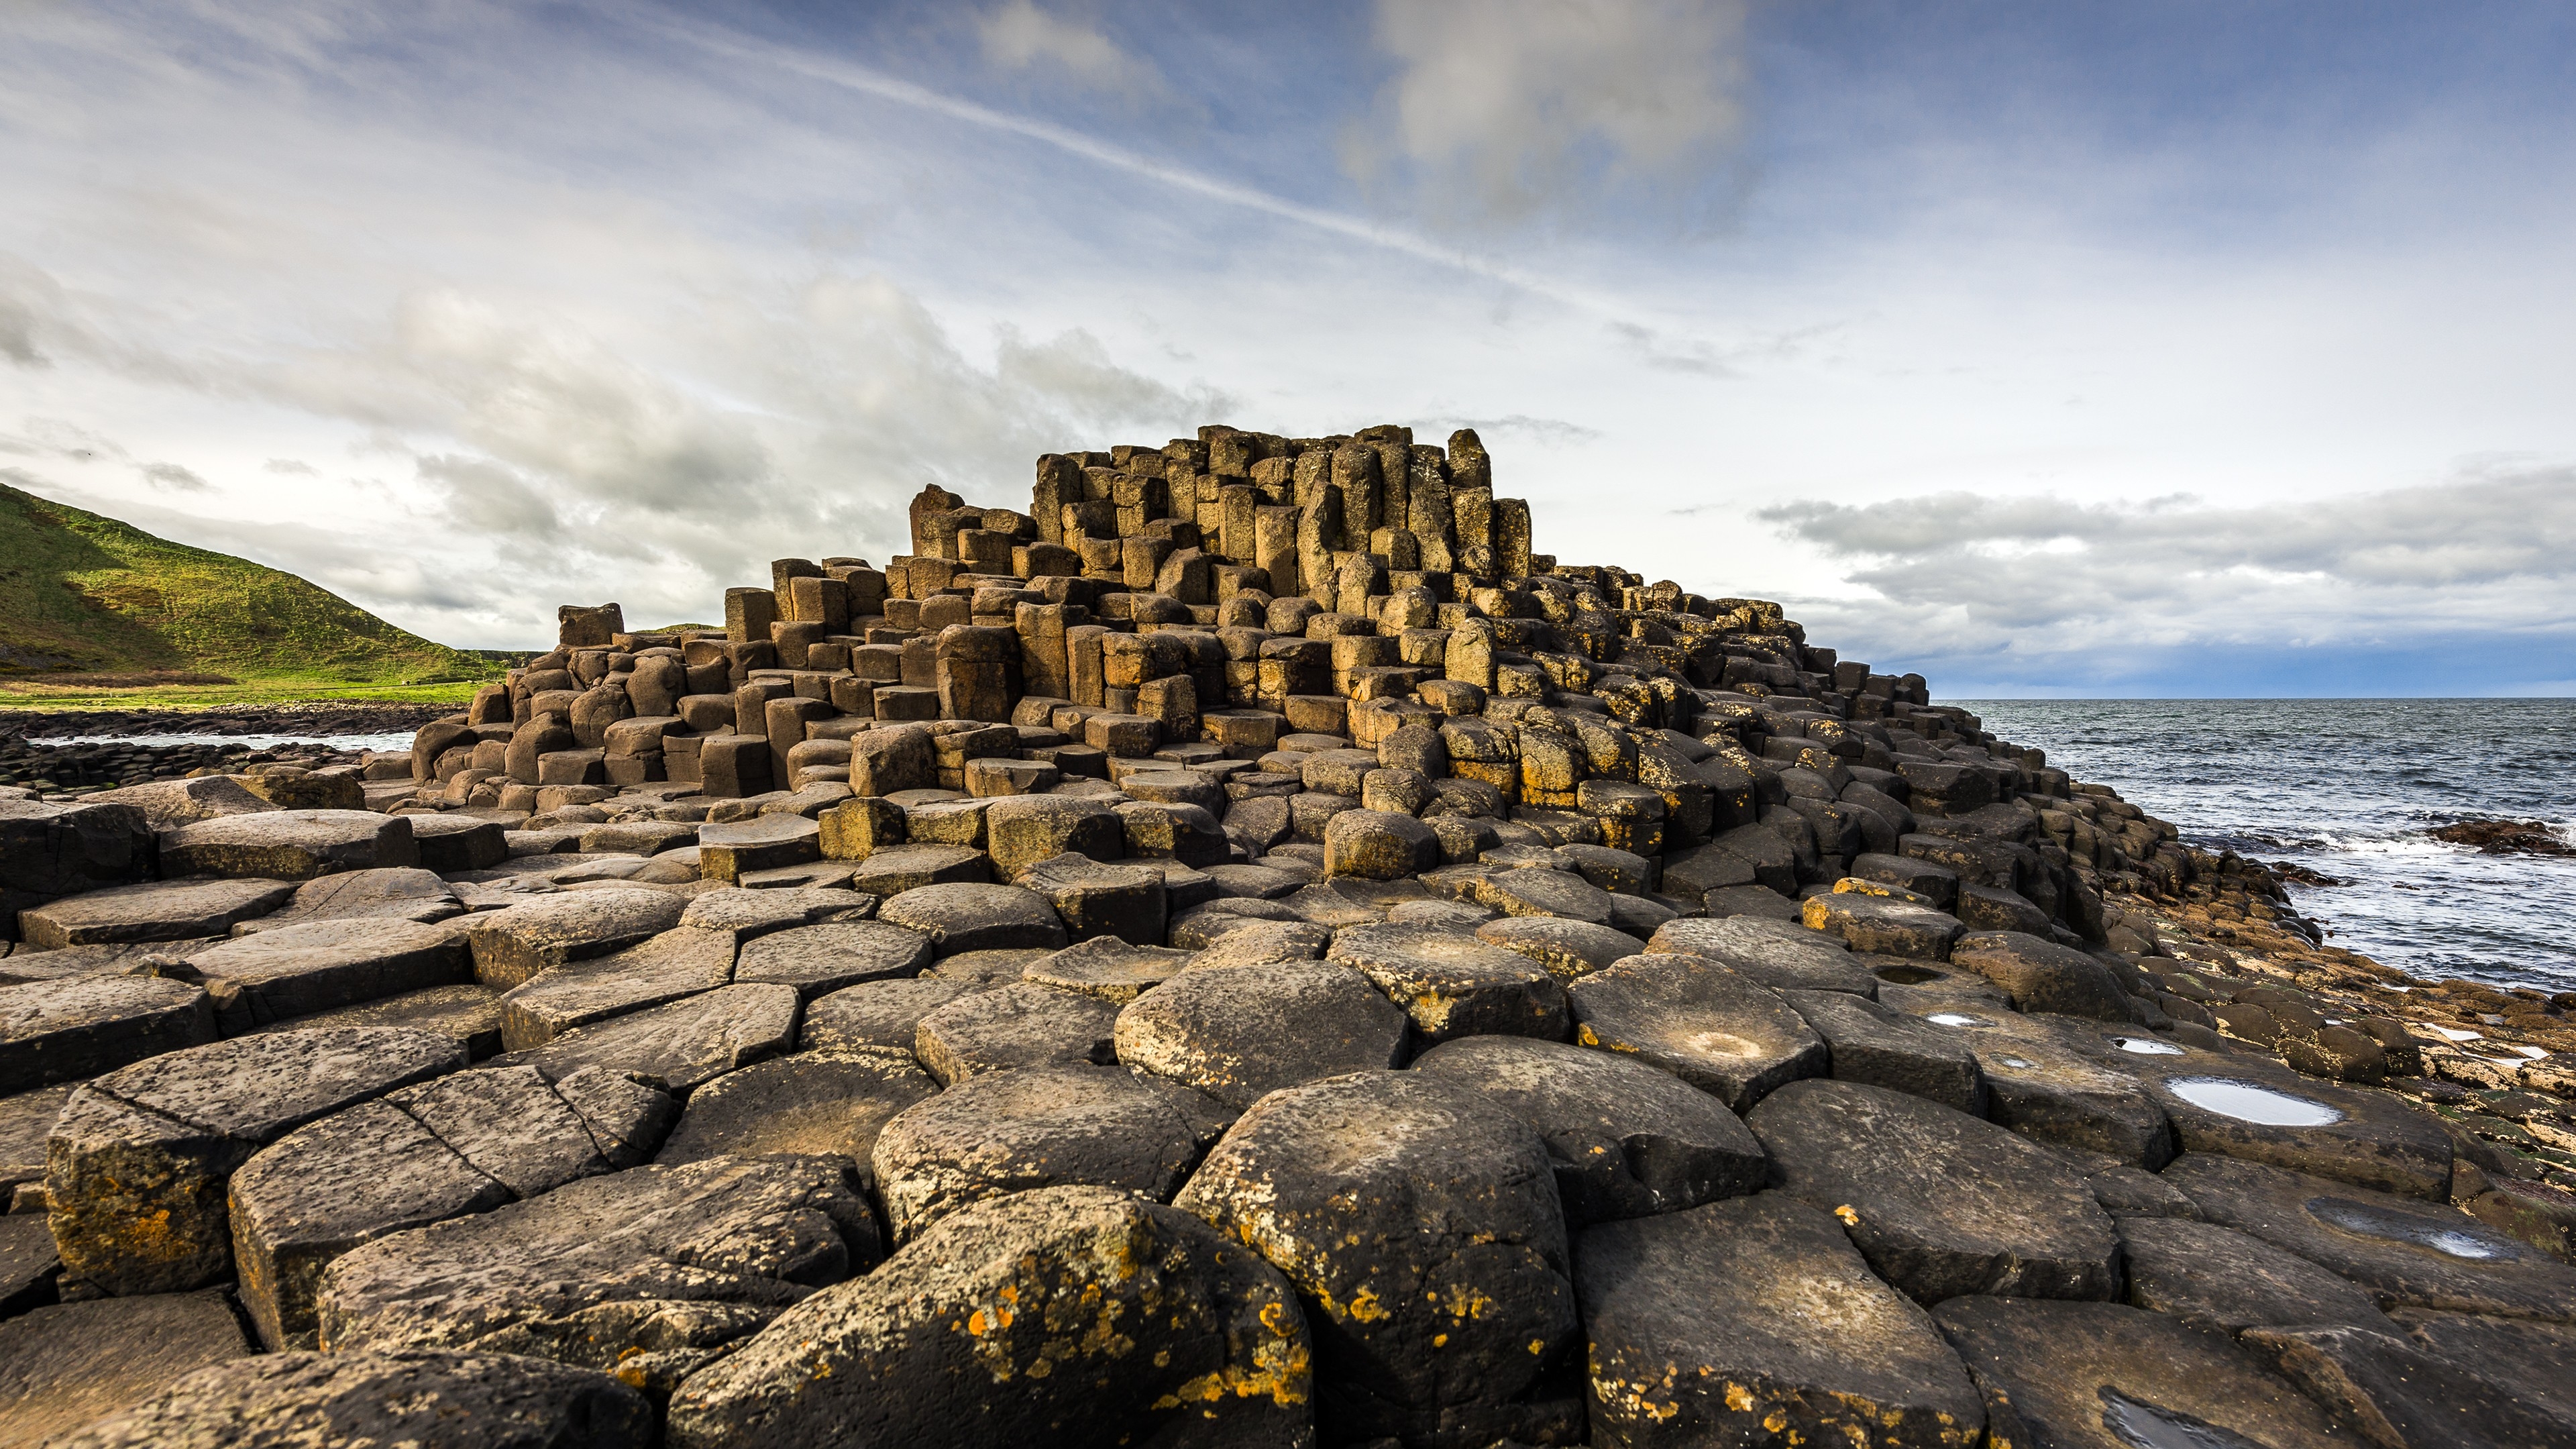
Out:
{"x": 86, "y": 599}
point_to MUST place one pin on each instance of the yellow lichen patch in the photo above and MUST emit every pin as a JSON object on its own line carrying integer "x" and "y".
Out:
{"x": 1739, "y": 1398}
{"x": 1538, "y": 1345}
{"x": 1849, "y": 1217}
{"x": 1365, "y": 1307}
{"x": 1466, "y": 1301}
{"x": 1439, "y": 1340}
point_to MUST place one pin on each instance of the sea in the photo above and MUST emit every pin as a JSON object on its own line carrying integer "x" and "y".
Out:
{"x": 2348, "y": 788}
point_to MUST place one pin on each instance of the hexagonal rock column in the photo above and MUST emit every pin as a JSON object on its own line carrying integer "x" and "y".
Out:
{"x": 1075, "y": 1316}
{"x": 1454, "y": 985}
{"x": 288, "y": 844}
{"x": 1628, "y": 1140}
{"x": 1002, "y": 1132}
{"x": 2077, "y": 1373}
{"x": 462, "y": 1143}
{"x": 1419, "y": 1223}
{"x": 138, "y": 1164}
{"x": 1689, "y": 1345}
{"x": 1240, "y": 1032}
{"x": 63, "y": 1031}
{"x": 430, "y": 1401}
{"x": 648, "y": 1272}
{"x": 1698, "y": 1020}
{"x": 1940, "y": 1203}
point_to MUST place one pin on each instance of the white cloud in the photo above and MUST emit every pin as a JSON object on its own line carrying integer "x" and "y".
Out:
{"x": 2094, "y": 586}
{"x": 1020, "y": 36}
{"x": 1505, "y": 109}
{"x": 173, "y": 478}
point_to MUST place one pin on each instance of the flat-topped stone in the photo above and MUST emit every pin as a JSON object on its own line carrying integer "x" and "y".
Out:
{"x": 81, "y": 1026}
{"x": 679, "y": 962}
{"x": 66, "y": 1365}
{"x": 1626, "y": 1140}
{"x": 1453, "y": 984}
{"x": 513, "y": 944}
{"x": 321, "y": 965}
{"x": 1418, "y": 1222}
{"x": 391, "y": 893}
{"x": 682, "y": 1044}
{"x": 649, "y": 1272}
{"x": 292, "y": 845}
{"x": 171, "y": 910}
{"x": 422, "y": 1400}
{"x": 458, "y": 1144}
{"x": 821, "y": 1101}
{"x": 1240, "y": 1031}
{"x": 137, "y": 1166}
{"x": 1003, "y": 1132}
{"x": 1939, "y": 1202}
{"x": 1207, "y": 1346}
{"x": 1700, "y": 1021}
{"x": 1690, "y": 1343}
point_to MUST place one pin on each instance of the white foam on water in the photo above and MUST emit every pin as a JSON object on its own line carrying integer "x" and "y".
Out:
{"x": 2252, "y": 1102}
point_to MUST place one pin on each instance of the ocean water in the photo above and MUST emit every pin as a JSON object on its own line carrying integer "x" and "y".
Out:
{"x": 2347, "y": 788}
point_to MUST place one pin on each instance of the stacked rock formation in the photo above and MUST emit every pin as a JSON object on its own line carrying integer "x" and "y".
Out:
{"x": 1242, "y": 952}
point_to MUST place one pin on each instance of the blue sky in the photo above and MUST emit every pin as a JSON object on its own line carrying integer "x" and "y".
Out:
{"x": 2046, "y": 349}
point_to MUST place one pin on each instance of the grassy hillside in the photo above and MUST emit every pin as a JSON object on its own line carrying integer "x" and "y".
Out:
{"x": 87, "y": 602}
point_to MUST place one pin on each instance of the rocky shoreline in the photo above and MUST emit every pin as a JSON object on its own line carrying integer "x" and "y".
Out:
{"x": 1243, "y": 952}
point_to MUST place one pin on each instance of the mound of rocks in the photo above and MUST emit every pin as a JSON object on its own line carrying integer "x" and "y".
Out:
{"x": 1244, "y": 951}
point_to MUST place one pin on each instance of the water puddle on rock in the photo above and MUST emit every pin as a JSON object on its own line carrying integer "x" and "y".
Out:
{"x": 2371, "y": 1222}
{"x": 2147, "y": 1046}
{"x": 2145, "y": 1426}
{"x": 2249, "y": 1102}
{"x": 1955, "y": 1018}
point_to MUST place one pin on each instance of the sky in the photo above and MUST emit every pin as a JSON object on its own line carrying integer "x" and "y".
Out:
{"x": 2046, "y": 349}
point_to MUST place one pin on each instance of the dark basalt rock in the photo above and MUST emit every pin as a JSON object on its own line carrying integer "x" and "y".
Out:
{"x": 1779, "y": 955}
{"x": 2040, "y": 975}
{"x": 1691, "y": 1346}
{"x": 1869, "y": 1044}
{"x": 64, "y": 1031}
{"x": 137, "y": 1166}
{"x": 814, "y": 1103}
{"x": 2403, "y": 1252}
{"x": 1452, "y": 984}
{"x": 1939, "y": 1202}
{"x": 322, "y": 965}
{"x": 2220, "y": 1278}
{"x": 647, "y": 1273}
{"x": 883, "y": 1017}
{"x": 460, "y": 1144}
{"x": 2100, "y": 1376}
{"x": 428, "y": 1400}
{"x": 1005, "y": 1132}
{"x": 1074, "y": 1316}
{"x": 2398, "y": 1392}
{"x": 1240, "y": 1032}
{"x": 680, "y": 1046}
{"x": 1418, "y": 1222}
{"x": 1700, "y": 1021}
{"x": 63, "y": 1366}
{"x": 1626, "y": 1140}
{"x": 1022, "y": 1024}
{"x": 175, "y": 910}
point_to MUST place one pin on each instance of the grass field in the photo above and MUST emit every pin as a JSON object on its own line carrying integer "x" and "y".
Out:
{"x": 97, "y": 613}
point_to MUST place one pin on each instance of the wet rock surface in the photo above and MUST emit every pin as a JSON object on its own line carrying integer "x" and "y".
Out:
{"x": 1290, "y": 964}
